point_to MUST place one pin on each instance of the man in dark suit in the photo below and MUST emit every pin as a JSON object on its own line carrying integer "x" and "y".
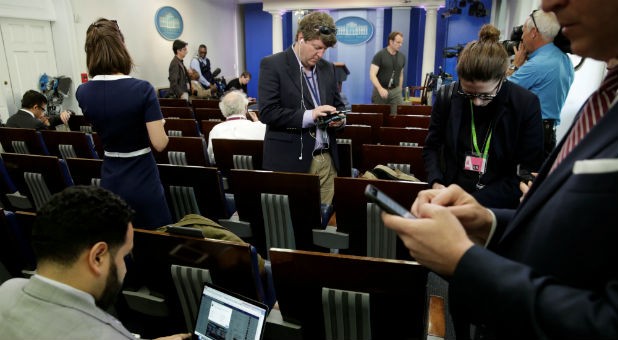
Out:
{"x": 295, "y": 88}
{"x": 549, "y": 268}
{"x": 32, "y": 114}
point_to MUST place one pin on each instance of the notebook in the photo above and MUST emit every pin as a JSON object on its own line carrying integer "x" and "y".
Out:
{"x": 226, "y": 315}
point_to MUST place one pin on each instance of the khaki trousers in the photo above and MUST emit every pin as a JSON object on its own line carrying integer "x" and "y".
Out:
{"x": 394, "y": 98}
{"x": 322, "y": 165}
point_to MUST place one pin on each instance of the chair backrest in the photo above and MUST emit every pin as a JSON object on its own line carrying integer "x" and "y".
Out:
{"x": 375, "y": 120}
{"x": 384, "y": 109}
{"x": 83, "y": 170}
{"x": 205, "y": 103}
{"x": 57, "y": 142}
{"x": 360, "y": 135}
{"x": 418, "y": 121}
{"x": 79, "y": 123}
{"x": 381, "y": 241}
{"x": 193, "y": 147}
{"x": 205, "y": 184}
{"x": 206, "y": 126}
{"x": 301, "y": 275}
{"x": 35, "y": 176}
{"x": 346, "y": 161}
{"x": 423, "y": 110}
{"x": 188, "y": 127}
{"x": 395, "y": 135}
{"x": 346, "y": 314}
{"x": 15, "y": 251}
{"x": 6, "y": 187}
{"x": 351, "y": 206}
{"x": 189, "y": 282}
{"x": 383, "y": 154}
{"x": 303, "y": 191}
{"x": 174, "y": 102}
{"x": 225, "y": 149}
{"x": 277, "y": 221}
{"x": 230, "y": 265}
{"x": 202, "y": 114}
{"x": 30, "y": 137}
{"x": 181, "y": 112}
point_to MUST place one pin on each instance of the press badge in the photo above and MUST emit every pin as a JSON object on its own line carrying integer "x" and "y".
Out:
{"x": 475, "y": 163}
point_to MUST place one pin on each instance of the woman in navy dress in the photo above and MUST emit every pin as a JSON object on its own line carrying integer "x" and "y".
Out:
{"x": 125, "y": 113}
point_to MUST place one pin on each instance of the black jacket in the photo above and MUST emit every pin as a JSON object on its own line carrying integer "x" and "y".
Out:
{"x": 24, "y": 120}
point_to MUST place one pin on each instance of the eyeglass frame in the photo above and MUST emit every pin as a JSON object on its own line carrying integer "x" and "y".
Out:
{"x": 534, "y": 20}
{"x": 481, "y": 96}
{"x": 326, "y": 30}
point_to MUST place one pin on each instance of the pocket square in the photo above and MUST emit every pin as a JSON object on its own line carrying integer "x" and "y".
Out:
{"x": 595, "y": 166}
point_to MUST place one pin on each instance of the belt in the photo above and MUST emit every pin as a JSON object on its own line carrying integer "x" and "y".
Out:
{"x": 391, "y": 87}
{"x": 127, "y": 154}
{"x": 320, "y": 151}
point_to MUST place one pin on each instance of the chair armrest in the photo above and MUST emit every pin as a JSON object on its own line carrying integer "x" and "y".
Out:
{"x": 238, "y": 227}
{"x": 330, "y": 238}
{"x": 144, "y": 302}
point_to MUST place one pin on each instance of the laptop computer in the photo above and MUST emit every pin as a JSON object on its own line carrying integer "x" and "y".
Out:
{"x": 226, "y": 315}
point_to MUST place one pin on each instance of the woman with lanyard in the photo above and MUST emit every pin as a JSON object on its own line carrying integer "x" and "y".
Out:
{"x": 483, "y": 127}
{"x": 125, "y": 113}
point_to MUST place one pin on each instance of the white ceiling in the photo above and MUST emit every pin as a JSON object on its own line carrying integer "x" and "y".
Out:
{"x": 272, "y": 5}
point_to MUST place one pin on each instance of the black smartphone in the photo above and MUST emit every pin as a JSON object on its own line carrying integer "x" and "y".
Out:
{"x": 386, "y": 203}
{"x": 524, "y": 175}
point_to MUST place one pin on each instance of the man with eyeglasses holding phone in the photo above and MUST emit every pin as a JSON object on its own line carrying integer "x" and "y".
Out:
{"x": 297, "y": 94}
{"x": 483, "y": 127}
{"x": 548, "y": 72}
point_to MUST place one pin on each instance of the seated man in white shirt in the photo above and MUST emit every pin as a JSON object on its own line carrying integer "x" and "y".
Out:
{"x": 233, "y": 105}
{"x": 80, "y": 238}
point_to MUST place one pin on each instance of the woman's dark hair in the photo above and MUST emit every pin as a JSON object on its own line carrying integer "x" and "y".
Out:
{"x": 76, "y": 219}
{"x": 105, "y": 49}
{"x": 309, "y": 24}
{"x": 484, "y": 59}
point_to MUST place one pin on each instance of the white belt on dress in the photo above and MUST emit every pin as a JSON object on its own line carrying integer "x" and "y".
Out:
{"x": 127, "y": 154}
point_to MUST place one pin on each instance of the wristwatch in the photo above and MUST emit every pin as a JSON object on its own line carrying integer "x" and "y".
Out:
{"x": 513, "y": 67}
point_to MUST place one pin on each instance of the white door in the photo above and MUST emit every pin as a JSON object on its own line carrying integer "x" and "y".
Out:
{"x": 29, "y": 52}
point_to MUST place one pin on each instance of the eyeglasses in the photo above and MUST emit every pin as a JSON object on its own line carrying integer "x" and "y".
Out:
{"x": 533, "y": 20}
{"x": 481, "y": 96}
{"x": 325, "y": 30}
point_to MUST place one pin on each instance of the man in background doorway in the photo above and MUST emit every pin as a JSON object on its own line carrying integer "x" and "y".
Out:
{"x": 386, "y": 73}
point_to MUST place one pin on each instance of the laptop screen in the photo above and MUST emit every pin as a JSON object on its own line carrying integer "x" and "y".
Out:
{"x": 226, "y": 316}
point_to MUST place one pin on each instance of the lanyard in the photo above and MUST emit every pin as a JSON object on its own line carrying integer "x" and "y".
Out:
{"x": 474, "y": 136}
{"x": 312, "y": 87}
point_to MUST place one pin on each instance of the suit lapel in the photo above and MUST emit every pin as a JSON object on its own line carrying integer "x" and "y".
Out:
{"x": 323, "y": 80}
{"x": 293, "y": 71}
{"x": 546, "y": 185}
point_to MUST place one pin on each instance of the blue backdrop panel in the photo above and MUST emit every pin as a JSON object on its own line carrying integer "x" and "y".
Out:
{"x": 258, "y": 42}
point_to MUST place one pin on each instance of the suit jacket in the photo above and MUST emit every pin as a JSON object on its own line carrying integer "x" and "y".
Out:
{"x": 178, "y": 77}
{"x": 35, "y": 309}
{"x": 287, "y": 146}
{"x": 24, "y": 120}
{"x": 552, "y": 272}
{"x": 517, "y": 138}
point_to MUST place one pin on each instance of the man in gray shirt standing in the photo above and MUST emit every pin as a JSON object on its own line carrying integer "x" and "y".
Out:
{"x": 386, "y": 73}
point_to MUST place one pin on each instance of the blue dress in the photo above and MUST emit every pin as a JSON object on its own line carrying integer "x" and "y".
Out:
{"x": 119, "y": 107}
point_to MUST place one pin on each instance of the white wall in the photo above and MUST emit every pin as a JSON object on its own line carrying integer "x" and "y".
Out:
{"x": 211, "y": 22}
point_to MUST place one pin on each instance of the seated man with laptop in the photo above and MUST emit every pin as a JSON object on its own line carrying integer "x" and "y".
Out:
{"x": 80, "y": 238}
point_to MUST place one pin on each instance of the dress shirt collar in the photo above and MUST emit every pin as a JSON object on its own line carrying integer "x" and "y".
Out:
{"x": 111, "y": 77}
{"x": 32, "y": 114}
{"x": 66, "y": 288}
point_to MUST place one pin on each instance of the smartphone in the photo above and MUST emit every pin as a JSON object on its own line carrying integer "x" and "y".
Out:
{"x": 386, "y": 203}
{"x": 524, "y": 175}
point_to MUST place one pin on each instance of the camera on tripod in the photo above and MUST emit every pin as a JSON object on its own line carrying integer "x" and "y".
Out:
{"x": 219, "y": 82}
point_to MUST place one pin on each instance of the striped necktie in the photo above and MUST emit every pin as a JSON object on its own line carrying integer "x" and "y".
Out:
{"x": 596, "y": 106}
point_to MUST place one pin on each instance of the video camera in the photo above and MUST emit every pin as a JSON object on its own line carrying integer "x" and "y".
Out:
{"x": 219, "y": 82}
{"x": 55, "y": 89}
{"x": 560, "y": 41}
{"x": 453, "y": 51}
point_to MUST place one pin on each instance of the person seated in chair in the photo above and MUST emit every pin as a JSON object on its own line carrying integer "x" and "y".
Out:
{"x": 240, "y": 83}
{"x": 32, "y": 114}
{"x": 233, "y": 106}
{"x": 80, "y": 238}
{"x": 197, "y": 89}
